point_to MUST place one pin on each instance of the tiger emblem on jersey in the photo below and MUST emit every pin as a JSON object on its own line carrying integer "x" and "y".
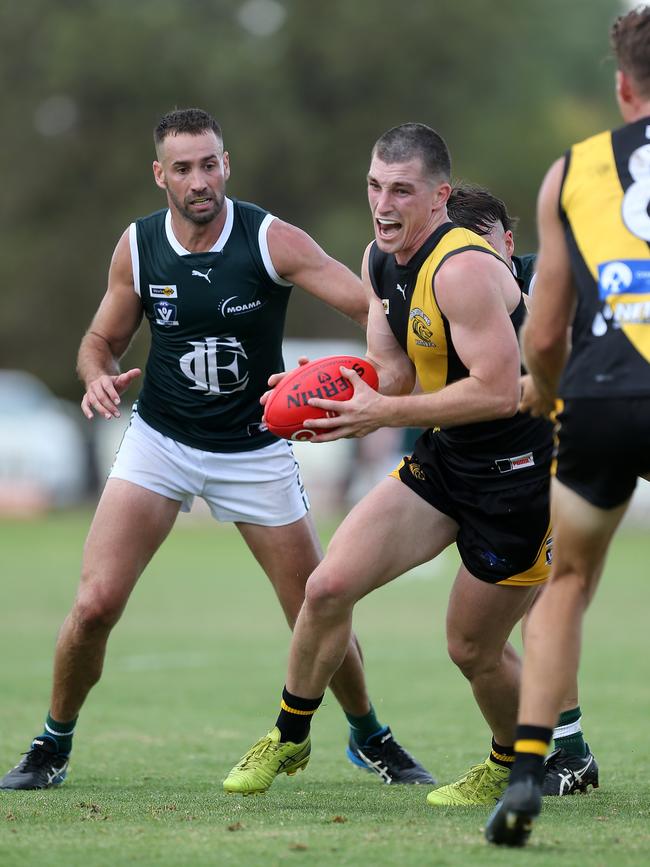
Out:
{"x": 420, "y": 323}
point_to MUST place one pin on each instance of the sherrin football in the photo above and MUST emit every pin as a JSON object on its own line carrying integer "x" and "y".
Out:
{"x": 287, "y": 406}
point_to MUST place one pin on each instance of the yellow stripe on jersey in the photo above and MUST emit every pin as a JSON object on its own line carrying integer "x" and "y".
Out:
{"x": 426, "y": 343}
{"x": 592, "y": 198}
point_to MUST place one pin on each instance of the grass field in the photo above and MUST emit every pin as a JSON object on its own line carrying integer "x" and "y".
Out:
{"x": 193, "y": 677}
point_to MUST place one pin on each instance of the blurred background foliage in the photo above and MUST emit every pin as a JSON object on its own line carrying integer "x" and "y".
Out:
{"x": 302, "y": 89}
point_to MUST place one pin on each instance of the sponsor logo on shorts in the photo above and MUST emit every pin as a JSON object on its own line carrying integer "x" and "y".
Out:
{"x": 493, "y": 560}
{"x": 158, "y": 291}
{"x": 548, "y": 545}
{"x": 417, "y": 471}
{"x": 520, "y": 462}
{"x": 165, "y": 313}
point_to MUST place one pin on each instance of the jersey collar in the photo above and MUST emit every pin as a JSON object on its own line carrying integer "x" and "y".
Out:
{"x": 218, "y": 245}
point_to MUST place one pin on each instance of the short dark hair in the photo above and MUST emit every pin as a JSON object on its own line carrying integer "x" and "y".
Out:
{"x": 478, "y": 209}
{"x": 409, "y": 140}
{"x": 630, "y": 38}
{"x": 189, "y": 121}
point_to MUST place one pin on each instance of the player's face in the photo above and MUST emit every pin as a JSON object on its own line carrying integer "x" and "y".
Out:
{"x": 406, "y": 205}
{"x": 503, "y": 241}
{"x": 193, "y": 169}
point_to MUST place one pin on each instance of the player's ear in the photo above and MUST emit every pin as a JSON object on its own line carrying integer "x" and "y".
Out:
{"x": 159, "y": 175}
{"x": 441, "y": 194}
{"x": 226, "y": 165}
{"x": 625, "y": 90}
{"x": 509, "y": 240}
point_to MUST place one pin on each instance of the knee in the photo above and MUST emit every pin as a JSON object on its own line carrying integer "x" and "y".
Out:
{"x": 470, "y": 657}
{"x": 95, "y": 609}
{"x": 328, "y": 592}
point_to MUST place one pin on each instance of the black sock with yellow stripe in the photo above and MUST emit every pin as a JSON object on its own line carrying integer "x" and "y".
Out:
{"x": 531, "y": 746}
{"x": 500, "y": 755}
{"x": 295, "y": 716}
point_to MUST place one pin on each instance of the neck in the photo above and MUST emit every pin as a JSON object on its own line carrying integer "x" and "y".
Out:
{"x": 438, "y": 218}
{"x": 637, "y": 112}
{"x": 197, "y": 237}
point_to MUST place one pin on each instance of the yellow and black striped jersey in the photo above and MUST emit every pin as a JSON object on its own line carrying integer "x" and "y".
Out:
{"x": 604, "y": 203}
{"x": 408, "y": 296}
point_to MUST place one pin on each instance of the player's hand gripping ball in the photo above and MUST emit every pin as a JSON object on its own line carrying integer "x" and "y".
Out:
{"x": 287, "y": 407}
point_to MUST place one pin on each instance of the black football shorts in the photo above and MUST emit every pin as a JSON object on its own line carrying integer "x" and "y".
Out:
{"x": 602, "y": 447}
{"x": 504, "y": 534}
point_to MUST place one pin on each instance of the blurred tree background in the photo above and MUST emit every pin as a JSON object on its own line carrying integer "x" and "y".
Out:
{"x": 302, "y": 90}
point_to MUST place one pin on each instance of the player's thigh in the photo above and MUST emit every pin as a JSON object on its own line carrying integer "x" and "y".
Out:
{"x": 582, "y": 533}
{"x": 129, "y": 526}
{"x": 391, "y": 530}
{"x": 483, "y": 614}
{"x": 288, "y": 555}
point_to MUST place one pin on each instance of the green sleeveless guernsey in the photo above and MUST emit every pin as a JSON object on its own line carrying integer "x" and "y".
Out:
{"x": 216, "y": 320}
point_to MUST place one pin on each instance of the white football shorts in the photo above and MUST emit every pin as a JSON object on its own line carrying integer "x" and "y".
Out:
{"x": 262, "y": 486}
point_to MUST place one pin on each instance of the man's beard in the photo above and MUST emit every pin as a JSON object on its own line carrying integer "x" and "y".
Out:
{"x": 199, "y": 219}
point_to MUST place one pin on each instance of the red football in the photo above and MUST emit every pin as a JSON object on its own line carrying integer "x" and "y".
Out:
{"x": 286, "y": 409}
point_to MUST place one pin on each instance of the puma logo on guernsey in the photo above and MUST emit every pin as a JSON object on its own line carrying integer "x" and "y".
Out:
{"x": 205, "y": 276}
{"x": 402, "y": 289}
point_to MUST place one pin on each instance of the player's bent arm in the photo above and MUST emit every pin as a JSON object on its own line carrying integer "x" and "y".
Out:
{"x": 298, "y": 258}
{"x": 545, "y": 337}
{"x": 108, "y": 337}
{"x": 473, "y": 291}
{"x": 477, "y": 296}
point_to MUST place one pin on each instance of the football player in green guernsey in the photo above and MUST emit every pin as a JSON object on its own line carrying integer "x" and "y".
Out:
{"x": 212, "y": 276}
{"x": 571, "y": 767}
{"x": 594, "y": 279}
{"x": 443, "y": 306}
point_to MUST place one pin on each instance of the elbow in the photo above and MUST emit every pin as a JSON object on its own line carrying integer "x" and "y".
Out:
{"x": 506, "y": 401}
{"x": 540, "y": 345}
{"x": 509, "y": 404}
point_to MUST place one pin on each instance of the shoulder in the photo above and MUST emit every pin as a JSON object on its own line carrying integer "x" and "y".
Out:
{"x": 591, "y": 141}
{"x": 249, "y": 212}
{"x": 470, "y": 261}
{"x": 151, "y": 220}
{"x": 456, "y": 245}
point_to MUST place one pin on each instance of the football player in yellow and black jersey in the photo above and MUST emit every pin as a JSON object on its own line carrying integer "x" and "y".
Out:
{"x": 212, "y": 276}
{"x": 443, "y": 306}
{"x": 593, "y": 277}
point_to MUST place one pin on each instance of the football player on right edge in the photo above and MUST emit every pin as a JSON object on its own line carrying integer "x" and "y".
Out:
{"x": 593, "y": 276}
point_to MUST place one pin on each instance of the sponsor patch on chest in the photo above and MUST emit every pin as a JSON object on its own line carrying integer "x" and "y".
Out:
{"x": 160, "y": 291}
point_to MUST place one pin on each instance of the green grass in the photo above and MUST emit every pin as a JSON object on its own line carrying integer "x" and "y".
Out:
{"x": 193, "y": 677}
